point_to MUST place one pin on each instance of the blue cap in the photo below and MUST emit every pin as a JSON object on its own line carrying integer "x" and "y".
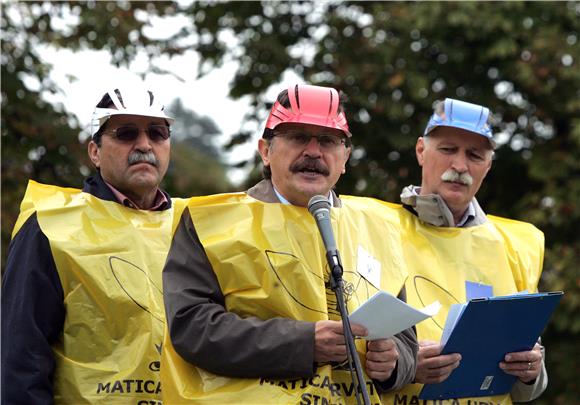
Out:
{"x": 462, "y": 115}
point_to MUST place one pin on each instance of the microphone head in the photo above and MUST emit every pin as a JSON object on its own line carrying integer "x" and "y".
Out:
{"x": 317, "y": 203}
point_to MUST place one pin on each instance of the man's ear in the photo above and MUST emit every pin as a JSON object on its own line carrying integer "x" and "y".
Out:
{"x": 94, "y": 153}
{"x": 346, "y": 157}
{"x": 264, "y": 149}
{"x": 420, "y": 150}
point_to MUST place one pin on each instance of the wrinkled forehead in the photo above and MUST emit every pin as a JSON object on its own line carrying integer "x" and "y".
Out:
{"x": 459, "y": 137}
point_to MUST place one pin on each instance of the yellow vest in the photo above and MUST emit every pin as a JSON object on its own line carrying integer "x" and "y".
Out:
{"x": 502, "y": 253}
{"x": 270, "y": 262}
{"x": 109, "y": 260}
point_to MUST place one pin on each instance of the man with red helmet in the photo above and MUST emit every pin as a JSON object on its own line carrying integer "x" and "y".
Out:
{"x": 268, "y": 339}
{"x": 299, "y": 168}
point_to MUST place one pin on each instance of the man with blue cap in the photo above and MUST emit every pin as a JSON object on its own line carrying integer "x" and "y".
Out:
{"x": 456, "y": 252}
{"x": 455, "y": 154}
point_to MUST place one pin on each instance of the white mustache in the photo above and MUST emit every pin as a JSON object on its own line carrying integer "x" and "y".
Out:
{"x": 140, "y": 157}
{"x": 453, "y": 176}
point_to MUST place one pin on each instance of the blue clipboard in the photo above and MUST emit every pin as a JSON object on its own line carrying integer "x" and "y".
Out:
{"x": 488, "y": 329}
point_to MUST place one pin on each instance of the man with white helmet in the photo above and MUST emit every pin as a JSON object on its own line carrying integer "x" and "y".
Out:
{"x": 456, "y": 252}
{"x": 135, "y": 126}
{"x": 82, "y": 317}
{"x": 251, "y": 314}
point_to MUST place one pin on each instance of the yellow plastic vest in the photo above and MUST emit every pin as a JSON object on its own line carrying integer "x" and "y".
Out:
{"x": 109, "y": 259}
{"x": 270, "y": 262}
{"x": 503, "y": 253}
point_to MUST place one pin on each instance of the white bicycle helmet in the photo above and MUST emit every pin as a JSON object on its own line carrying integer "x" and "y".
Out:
{"x": 128, "y": 101}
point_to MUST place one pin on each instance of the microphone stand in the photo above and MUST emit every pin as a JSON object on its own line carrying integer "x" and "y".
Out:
{"x": 336, "y": 285}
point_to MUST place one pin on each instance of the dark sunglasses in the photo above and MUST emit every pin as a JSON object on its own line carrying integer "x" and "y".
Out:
{"x": 156, "y": 133}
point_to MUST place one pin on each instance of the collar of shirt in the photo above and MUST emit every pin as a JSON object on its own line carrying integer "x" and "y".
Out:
{"x": 468, "y": 216}
{"x": 286, "y": 202}
{"x": 159, "y": 203}
{"x": 433, "y": 209}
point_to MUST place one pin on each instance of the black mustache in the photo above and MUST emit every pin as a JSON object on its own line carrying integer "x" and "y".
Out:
{"x": 309, "y": 164}
{"x": 141, "y": 157}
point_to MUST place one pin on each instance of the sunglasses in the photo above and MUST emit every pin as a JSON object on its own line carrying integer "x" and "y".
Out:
{"x": 156, "y": 133}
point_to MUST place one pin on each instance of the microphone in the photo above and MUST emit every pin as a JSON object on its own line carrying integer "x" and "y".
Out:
{"x": 319, "y": 208}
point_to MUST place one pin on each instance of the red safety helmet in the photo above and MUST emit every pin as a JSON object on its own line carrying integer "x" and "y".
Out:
{"x": 314, "y": 105}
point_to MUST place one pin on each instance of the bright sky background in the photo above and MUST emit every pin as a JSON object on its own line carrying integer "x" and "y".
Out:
{"x": 94, "y": 75}
{"x": 85, "y": 76}
{"x": 208, "y": 96}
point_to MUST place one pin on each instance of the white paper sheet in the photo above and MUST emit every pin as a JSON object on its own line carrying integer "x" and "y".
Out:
{"x": 384, "y": 315}
{"x": 453, "y": 316}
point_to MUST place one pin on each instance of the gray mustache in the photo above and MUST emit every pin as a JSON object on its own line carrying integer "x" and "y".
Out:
{"x": 141, "y": 157}
{"x": 451, "y": 175}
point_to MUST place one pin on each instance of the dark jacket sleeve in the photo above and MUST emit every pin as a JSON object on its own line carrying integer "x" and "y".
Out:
{"x": 205, "y": 334}
{"x": 407, "y": 347}
{"x": 32, "y": 318}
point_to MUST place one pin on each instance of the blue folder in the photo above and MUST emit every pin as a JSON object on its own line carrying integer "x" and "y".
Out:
{"x": 488, "y": 329}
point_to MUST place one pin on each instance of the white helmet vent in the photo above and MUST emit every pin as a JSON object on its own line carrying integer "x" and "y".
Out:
{"x": 128, "y": 101}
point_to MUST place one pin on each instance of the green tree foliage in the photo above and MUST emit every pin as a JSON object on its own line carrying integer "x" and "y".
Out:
{"x": 393, "y": 60}
{"x": 195, "y": 167}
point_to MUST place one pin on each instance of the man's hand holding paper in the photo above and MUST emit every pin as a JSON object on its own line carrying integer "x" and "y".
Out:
{"x": 382, "y": 356}
{"x": 329, "y": 343}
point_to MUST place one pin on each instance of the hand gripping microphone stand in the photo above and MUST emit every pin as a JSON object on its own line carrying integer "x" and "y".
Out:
{"x": 319, "y": 207}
